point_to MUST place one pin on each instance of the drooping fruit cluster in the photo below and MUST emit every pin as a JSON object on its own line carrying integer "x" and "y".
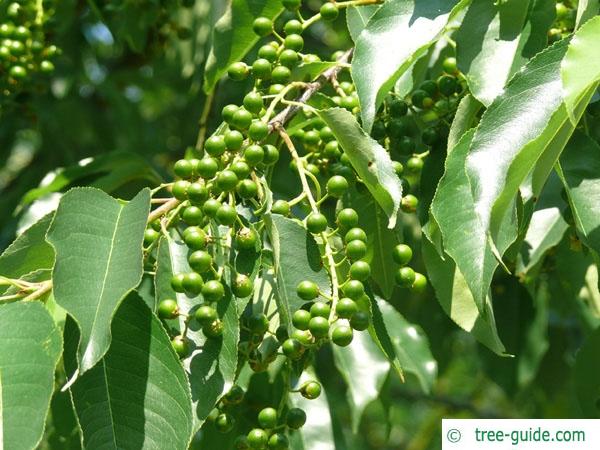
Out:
{"x": 564, "y": 23}
{"x": 25, "y": 53}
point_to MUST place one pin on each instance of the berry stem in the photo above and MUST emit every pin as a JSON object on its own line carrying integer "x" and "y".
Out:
{"x": 158, "y": 212}
{"x": 203, "y": 122}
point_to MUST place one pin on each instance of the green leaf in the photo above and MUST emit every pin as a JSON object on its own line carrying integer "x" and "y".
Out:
{"x": 30, "y": 349}
{"x": 233, "y": 36}
{"x": 98, "y": 244}
{"x": 457, "y": 301}
{"x": 580, "y": 67}
{"x": 211, "y": 365}
{"x": 464, "y": 119}
{"x": 464, "y": 238}
{"x": 489, "y": 54}
{"x": 357, "y": 18}
{"x": 411, "y": 346}
{"x": 580, "y": 172}
{"x": 381, "y": 240}
{"x": 312, "y": 70}
{"x": 364, "y": 368}
{"x": 29, "y": 251}
{"x": 378, "y": 59}
{"x": 137, "y": 396}
{"x": 587, "y": 382}
{"x": 370, "y": 160}
{"x": 586, "y": 9}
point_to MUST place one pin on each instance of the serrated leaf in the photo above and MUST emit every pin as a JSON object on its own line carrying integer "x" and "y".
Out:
{"x": 457, "y": 301}
{"x": 586, "y": 9}
{"x": 411, "y": 346}
{"x": 211, "y": 365}
{"x": 29, "y": 251}
{"x": 587, "y": 382}
{"x": 233, "y": 36}
{"x": 137, "y": 396}
{"x": 580, "y": 67}
{"x": 357, "y": 18}
{"x": 364, "y": 369}
{"x": 580, "y": 172}
{"x": 99, "y": 259}
{"x": 488, "y": 53}
{"x": 380, "y": 239}
{"x": 370, "y": 160}
{"x": 378, "y": 59}
{"x": 30, "y": 349}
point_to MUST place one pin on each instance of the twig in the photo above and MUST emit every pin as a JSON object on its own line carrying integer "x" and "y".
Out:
{"x": 161, "y": 210}
{"x": 204, "y": 120}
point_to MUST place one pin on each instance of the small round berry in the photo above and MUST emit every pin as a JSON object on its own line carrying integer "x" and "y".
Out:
{"x": 242, "y": 286}
{"x": 180, "y": 345}
{"x": 200, "y": 261}
{"x": 247, "y": 189}
{"x": 430, "y": 87}
{"x": 303, "y": 336}
{"x": 234, "y": 140}
{"x": 254, "y": 154}
{"x": 258, "y": 323}
{"x": 192, "y": 283}
{"x": 414, "y": 165}
{"x": 215, "y": 145}
{"x": 346, "y": 308}
{"x": 292, "y": 348}
{"x": 360, "y": 270}
{"x": 207, "y": 167}
{"x": 197, "y": 193}
{"x": 150, "y": 236}
{"x": 238, "y": 71}
{"x": 262, "y": 26}
{"x": 295, "y": 418}
{"x": 253, "y": 102}
{"x": 420, "y": 283}
{"x": 311, "y": 390}
{"x": 406, "y": 144}
{"x": 241, "y": 169}
{"x": 347, "y": 218}
{"x": 349, "y": 102}
{"x": 177, "y": 282}
{"x": 206, "y": 315}
{"x": 319, "y": 327}
{"x": 179, "y": 189}
{"x": 167, "y": 309}
{"x": 281, "y": 207}
{"x": 258, "y": 130}
{"x": 449, "y": 65}
{"x": 329, "y": 11}
{"x": 275, "y": 89}
{"x": 320, "y": 309}
{"x": 447, "y": 85}
{"x": 342, "y": 335}
{"x": 409, "y": 203}
{"x": 360, "y": 321}
{"x": 268, "y": 52}
{"x": 402, "y": 254}
{"x": 213, "y": 291}
{"x": 355, "y": 234}
{"x": 281, "y": 333}
{"x": 311, "y": 138}
{"x": 262, "y": 68}
{"x": 224, "y": 423}
{"x": 18, "y": 72}
{"x": 307, "y": 290}
{"x": 300, "y": 319}
{"x": 289, "y": 58}
{"x": 278, "y": 441}
{"x": 316, "y": 223}
{"x": 257, "y": 438}
{"x": 332, "y": 149}
{"x": 226, "y": 180}
{"x": 337, "y": 186}
{"x": 213, "y": 329}
{"x": 405, "y": 277}
{"x": 398, "y": 167}
{"x": 267, "y": 418}
{"x": 241, "y": 119}
{"x": 353, "y": 289}
{"x": 281, "y": 74}
{"x": 378, "y": 132}
{"x": 271, "y": 154}
{"x": 195, "y": 238}
{"x": 398, "y": 108}
{"x": 228, "y": 111}
{"x": 235, "y": 395}
{"x": 356, "y": 250}
{"x": 430, "y": 136}
{"x": 192, "y": 215}
{"x": 246, "y": 239}
{"x": 294, "y": 42}
{"x": 183, "y": 168}
{"x": 420, "y": 98}
{"x": 211, "y": 206}
{"x": 226, "y": 215}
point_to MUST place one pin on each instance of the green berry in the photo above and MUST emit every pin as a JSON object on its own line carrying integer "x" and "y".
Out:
{"x": 197, "y": 193}
{"x": 192, "y": 215}
{"x": 398, "y": 108}
{"x": 281, "y": 74}
{"x": 213, "y": 291}
{"x": 235, "y": 395}
{"x": 205, "y": 315}
{"x": 281, "y": 207}
{"x": 360, "y": 270}
{"x": 289, "y": 58}
{"x": 262, "y": 26}
{"x": 406, "y": 144}
{"x": 247, "y": 189}
{"x": 421, "y": 98}
{"x": 226, "y": 180}
{"x": 346, "y": 308}
{"x": 271, "y": 154}
{"x": 311, "y": 390}
{"x": 267, "y": 418}
{"x": 319, "y": 327}
{"x": 295, "y": 418}
{"x": 258, "y": 323}
{"x": 294, "y": 42}
{"x": 337, "y": 186}
{"x": 183, "y": 168}
{"x": 405, "y": 277}
{"x": 278, "y": 441}
{"x": 246, "y": 239}
{"x": 360, "y": 321}
{"x": 238, "y": 71}
{"x": 207, "y": 167}
{"x": 420, "y": 283}
{"x": 353, "y": 289}
{"x": 180, "y": 345}
{"x": 177, "y": 282}
{"x": 307, "y": 290}
{"x": 430, "y": 87}
{"x": 196, "y": 239}
{"x": 449, "y": 65}
{"x": 347, "y": 218}
{"x": 224, "y": 423}
{"x": 356, "y": 250}
{"x": 192, "y": 283}
{"x": 447, "y": 85}
{"x": 233, "y": 140}
{"x": 300, "y": 319}
{"x": 292, "y": 348}
{"x": 167, "y": 309}
{"x": 213, "y": 329}
{"x": 398, "y": 167}
{"x": 241, "y": 119}
{"x": 215, "y": 145}
{"x": 268, "y": 52}
{"x": 332, "y": 150}
{"x": 253, "y": 102}
{"x": 409, "y": 203}
{"x": 402, "y": 254}
{"x": 342, "y": 335}
{"x": 254, "y": 154}
{"x": 311, "y": 138}
{"x": 320, "y": 309}
{"x": 18, "y": 72}
{"x": 293, "y": 27}
{"x": 200, "y": 261}
{"x": 242, "y": 286}
{"x": 261, "y": 68}
{"x": 258, "y": 130}
{"x": 329, "y": 11}
{"x": 257, "y": 438}
{"x": 211, "y": 206}
{"x": 241, "y": 169}
{"x": 228, "y": 112}
{"x": 355, "y": 234}
{"x": 414, "y": 165}
{"x": 430, "y": 136}
{"x": 150, "y": 236}
{"x": 316, "y": 223}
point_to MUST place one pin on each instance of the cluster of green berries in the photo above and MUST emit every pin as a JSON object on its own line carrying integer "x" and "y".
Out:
{"x": 564, "y": 23}
{"x": 405, "y": 276}
{"x": 24, "y": 51}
